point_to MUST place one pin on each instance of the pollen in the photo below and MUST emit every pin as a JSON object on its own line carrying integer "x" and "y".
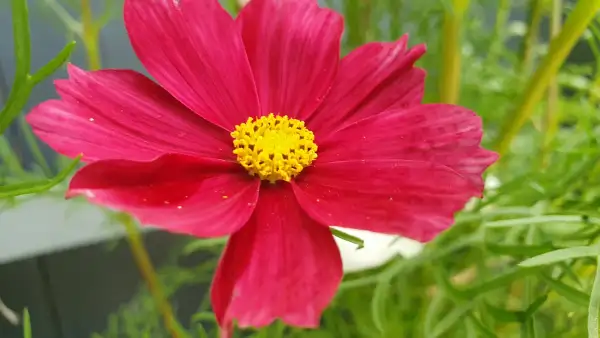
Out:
{"x": 274, "y": 147}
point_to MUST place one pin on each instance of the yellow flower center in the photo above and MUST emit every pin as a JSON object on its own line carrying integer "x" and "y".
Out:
{"x": 274, "y": 147}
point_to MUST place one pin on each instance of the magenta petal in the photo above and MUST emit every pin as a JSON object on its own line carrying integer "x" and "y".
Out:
{"x": 193, "y": 49}
{"x": 371, "y": 79}
{"x": 438, "y": 133}
{"x": 121, "y": 114}
{"x": 293, "y": 48}
{"x": 408, "y": 198}
{"x": 183, "y": 194}
{"x": 280, "y": 265}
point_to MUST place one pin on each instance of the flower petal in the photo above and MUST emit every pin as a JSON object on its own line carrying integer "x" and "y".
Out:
{"x": 371, "y": 79}
{"x": 438, "y": 133}
{"x": 121, "y": 114}
{"x": 294, "y": 48}
{"x": 183, "y": 194}
{"x": 408, "y": 198}
{"x": 280, "y": 265}
{"x": 193, "y": 49}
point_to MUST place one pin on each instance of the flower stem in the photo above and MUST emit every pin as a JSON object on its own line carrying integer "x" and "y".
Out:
{"x": 560, "y": 47}
{"x": 90, "y": 36}
{"x": 140, "y": 254}
{"x": 550, "y": 121}
{"x": 499, "y": 36}
{"x": 142, "y": 260}
{"x": 536, "y": 9}
{"x": 451, "y": 51}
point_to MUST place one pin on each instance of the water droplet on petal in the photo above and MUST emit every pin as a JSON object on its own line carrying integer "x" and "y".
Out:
{"x": 91, "y": 119}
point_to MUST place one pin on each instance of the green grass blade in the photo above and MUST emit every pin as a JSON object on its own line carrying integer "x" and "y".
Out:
{"x": 594, "y": 307}
{"x": 22, "y": 40}
{"x": 25, "y": 188}
{"x": 561, "y": 255}
{"x": 26, "y": 325}
{"x": 52, "y": 65}
{"x": 568, "y": 292}
{"x": 348, "y": 238}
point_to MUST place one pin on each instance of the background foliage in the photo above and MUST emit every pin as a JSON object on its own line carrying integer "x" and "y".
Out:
{"x": 520, "y": 263}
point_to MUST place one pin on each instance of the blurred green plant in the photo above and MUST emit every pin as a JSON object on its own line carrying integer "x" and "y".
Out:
{"x": 522, "y": 262}
{"x": 26, "y": 325}
{"x": 23, "y": 83}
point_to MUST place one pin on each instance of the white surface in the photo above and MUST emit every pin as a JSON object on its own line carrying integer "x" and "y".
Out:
{"x": 43, "y": 224}
{"x": 378, "y": 249}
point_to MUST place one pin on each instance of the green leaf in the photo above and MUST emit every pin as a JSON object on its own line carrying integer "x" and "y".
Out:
{"x": 518, "y": 250}
{"x": 380, "y": 295}
{"x": 33, "y": 146}
{"x": 502, "y": 315}
{"x": 24, "y": 188}
{"x": 9, "y": 159}
{"x": 21, "y": 37}
{"x": 204, "y": 316}
{"x": 568, "y": 292}
{"x": 483, "y": 330}
{"x": 594, "y": 306}
{"x": 436, "y": 305}
{"x": 443, "y": 281}
{"x": 22, "y": 46}
{"x": 531, "y": 309}
{"x": 349, "y": 238}
{"x": 451, "y": 319}
{"x": 53, "y": 65}
{"x": 539, "y": 220}
{"x": 26, "y": 324}
{"x": 24, "y": 82}
{"x": 200, "y": 244}
{"x": 500, "y": 281}
{"x": 359, "y": 282}
{"x": 561, "y": 255}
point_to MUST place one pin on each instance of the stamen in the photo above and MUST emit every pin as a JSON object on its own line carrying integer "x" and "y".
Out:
{"x": 274, "y": 147}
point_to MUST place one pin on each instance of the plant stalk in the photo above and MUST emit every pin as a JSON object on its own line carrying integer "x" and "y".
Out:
{"x": 90, "y": 36}
{"x": 451, "y": 51}
{"x": 560, "y": 47}
{"x": 550, "y": 121}
{"x": 134, "y": 238}
{"x": 536, "y": 11}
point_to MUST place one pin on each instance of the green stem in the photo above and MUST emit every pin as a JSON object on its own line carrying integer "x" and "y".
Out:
{"x": 530, "y": 286}
{"x": 32, "y": 143}
{"x": 536, "y": 10}
{"x": 90, "y": 36}
{"x": 134, "y": 238}
{"x": 550, "y": 121}
{"x": 594, "y": 307}
{"x": 10, "y": 158}
{"x": 499, "y": 28}
{"x": 560, "y": 47}
{"x": 451, "y": 51}
{"x": 144, "y": 264}
{"x": 594, "y": 91}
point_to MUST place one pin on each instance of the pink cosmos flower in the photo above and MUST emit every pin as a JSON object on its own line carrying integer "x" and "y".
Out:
{"x": 256, "y": 129}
